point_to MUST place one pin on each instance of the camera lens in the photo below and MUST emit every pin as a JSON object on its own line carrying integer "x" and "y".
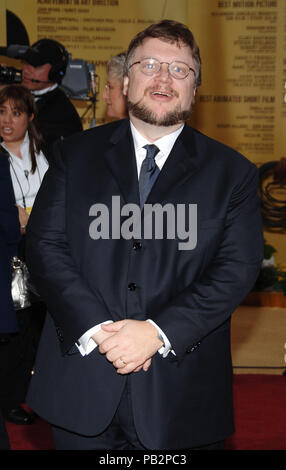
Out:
{"x": 10, "y": 75}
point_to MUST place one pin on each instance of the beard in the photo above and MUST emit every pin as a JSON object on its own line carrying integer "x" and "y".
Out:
{"x": 170, "y": 118}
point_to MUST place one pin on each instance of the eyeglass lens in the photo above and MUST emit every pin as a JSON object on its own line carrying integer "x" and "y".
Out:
{"x": 176, "y": 69}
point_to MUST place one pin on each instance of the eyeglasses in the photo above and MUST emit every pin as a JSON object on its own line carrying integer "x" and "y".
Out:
{"x": 152, "y": 66}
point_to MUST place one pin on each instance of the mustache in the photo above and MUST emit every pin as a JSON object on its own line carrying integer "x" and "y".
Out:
{"x": 152, "y": 89}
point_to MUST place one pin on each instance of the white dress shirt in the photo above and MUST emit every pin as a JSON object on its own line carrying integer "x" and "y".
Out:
{"x": 85, "y": 343}
{"x": 165, "y": 144}
{"x": 26, "y": 184}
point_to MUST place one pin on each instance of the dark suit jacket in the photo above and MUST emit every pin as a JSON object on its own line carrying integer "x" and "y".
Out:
{"x": 9, "y": 238}
{"x": 57, "y": 117}
{"x": 183, "y": 400}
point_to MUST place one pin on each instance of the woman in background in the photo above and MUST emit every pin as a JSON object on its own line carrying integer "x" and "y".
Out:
{"x": 21, "y": 146}
{"x": 113, "y": 91}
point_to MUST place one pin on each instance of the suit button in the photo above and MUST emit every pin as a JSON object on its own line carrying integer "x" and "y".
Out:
{"x": 193, "y": 347}
{"x": 132, "y": 286}
{"x": 137, "y": 246}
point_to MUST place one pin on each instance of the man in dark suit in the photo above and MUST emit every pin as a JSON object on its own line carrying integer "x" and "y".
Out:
{"x": 43, "y": 70}
{"x": 135, "y": 353}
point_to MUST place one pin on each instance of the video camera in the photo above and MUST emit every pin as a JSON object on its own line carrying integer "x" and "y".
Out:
{"x": 9, "y": 75}
{"x": 77, "y": 82}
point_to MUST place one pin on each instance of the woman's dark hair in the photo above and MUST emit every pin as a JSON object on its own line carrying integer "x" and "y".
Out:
{"x": 169, "y": 31}
{"x": 22, "y": 99}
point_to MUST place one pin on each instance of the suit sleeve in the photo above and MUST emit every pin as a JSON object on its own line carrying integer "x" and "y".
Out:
{"x": 73, "y": 305}
{"x": 208, "y": 302}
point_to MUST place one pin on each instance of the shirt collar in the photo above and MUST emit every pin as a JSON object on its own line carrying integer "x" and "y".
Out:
{"x": 45, "y": 90}
{"x": 165, "y": 143}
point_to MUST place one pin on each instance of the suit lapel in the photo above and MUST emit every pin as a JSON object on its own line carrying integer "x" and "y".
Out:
{"x": 182, "y": 162}
{"x": 121, "y": 160}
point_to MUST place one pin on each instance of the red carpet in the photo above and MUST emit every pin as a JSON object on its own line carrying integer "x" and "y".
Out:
{"x": 260, "y": 416}
{"x": 260, "y": 413}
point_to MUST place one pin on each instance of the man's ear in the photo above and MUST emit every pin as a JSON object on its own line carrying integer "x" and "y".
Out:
{"x": 125, "y": 85}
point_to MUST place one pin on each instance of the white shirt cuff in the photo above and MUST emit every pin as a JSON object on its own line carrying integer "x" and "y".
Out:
{"x": 166, "y": 348}
{"x": 86, "y": 343}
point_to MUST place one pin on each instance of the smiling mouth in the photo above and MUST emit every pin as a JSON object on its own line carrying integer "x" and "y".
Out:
{"x": 162, "y": 93}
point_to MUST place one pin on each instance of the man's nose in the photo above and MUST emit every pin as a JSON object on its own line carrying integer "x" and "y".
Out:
{"x": 164, "y": 73}
{"x": 26, "y": 67}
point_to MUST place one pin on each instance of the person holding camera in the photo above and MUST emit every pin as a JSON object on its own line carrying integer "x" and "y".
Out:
{"x": 45, "y": 64}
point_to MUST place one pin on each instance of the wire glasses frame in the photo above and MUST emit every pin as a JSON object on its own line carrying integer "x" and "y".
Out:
{"x": 176, "y": 69}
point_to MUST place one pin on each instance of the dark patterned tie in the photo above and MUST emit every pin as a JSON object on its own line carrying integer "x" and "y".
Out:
{"x": 148, "y": 173}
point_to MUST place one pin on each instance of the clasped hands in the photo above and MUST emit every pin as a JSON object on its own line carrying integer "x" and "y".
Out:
{"x": 128, "y": 344}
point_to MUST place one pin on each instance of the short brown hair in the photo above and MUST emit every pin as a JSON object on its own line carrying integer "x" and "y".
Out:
{"x": 169, "y": 31}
